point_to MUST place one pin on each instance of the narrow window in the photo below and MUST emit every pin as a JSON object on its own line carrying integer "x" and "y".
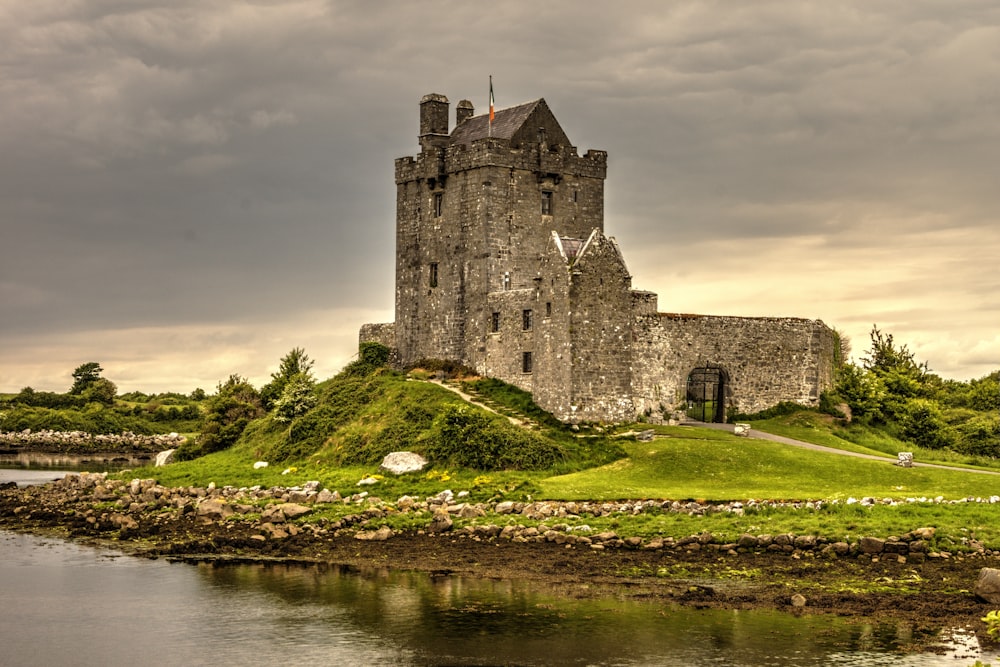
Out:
{"x": 526, "y": 319}
{"x": 546, "y": 202}
{"x": 548, "y": 309}
{"x": 495, "y": 322}
{"x": 506, "y": 280}
{"x": 526, "y": 362}
{"x": 438, "y": 203}
{"x": 434, "y": 274}
{"x": 574, "y": 197}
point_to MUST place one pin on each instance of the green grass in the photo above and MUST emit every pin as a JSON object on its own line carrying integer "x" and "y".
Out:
{"x": 819, "y": 429}
{"x": 693, "y": 463}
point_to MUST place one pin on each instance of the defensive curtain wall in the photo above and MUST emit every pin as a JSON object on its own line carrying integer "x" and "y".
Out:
{"x": 502, "y": 265}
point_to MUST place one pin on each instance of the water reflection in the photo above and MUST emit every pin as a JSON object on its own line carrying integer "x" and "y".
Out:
{"x": 454, "y": 620}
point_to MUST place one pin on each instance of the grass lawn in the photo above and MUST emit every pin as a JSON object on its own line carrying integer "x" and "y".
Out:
{"x": 691, "y": 463}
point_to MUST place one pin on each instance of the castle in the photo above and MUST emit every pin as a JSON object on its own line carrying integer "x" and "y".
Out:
{"x": 502, "y": 265}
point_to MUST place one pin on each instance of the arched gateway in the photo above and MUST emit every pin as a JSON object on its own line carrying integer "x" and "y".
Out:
{"x": 707, "y": 390}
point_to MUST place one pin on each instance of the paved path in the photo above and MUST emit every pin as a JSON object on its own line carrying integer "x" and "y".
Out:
{"x": 754, "y": 433}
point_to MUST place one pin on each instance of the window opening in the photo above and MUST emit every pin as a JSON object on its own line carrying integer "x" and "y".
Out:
{"x": 526, "y": 362}
{"x": 433, "y": 274}
{"x": 546, "y": 202}
{"x": 495, "y": 322}
{"x": 438, "y": 203}
{"x": 526, "y": 319}
{"x": 548, "y": 309}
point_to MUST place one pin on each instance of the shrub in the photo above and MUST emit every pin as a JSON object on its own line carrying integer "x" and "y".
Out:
{"x": 470, "y": 438}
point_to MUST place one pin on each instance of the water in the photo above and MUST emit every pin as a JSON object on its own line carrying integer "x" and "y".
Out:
{"x": 65, "y": 603}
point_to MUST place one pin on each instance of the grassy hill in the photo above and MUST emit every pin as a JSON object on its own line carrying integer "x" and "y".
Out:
{"x": 369, "y": 410}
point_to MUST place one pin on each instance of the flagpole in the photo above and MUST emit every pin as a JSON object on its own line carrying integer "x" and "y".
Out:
{"x": 491, "y": 106}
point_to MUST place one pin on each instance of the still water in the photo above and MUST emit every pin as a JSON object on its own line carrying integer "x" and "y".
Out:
{"x": 64, "y": 603}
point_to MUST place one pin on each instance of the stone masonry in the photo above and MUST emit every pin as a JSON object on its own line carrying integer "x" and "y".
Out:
{"x": 502, "y": 264}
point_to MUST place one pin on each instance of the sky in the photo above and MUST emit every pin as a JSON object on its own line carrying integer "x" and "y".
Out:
{"x": 191, "y": 189}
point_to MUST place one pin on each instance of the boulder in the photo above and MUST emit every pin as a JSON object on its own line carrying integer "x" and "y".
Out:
{"x": 988, "y": 585}
{"x": 380, "y": 535}
{"x": 400, "y": 463}
{"x": 292, "y": 511}
{"x": 872, "y": 545}
{"x": 165, "y": 457}
{"x": 440, "y": 523}
{"x": 214, "y": 509}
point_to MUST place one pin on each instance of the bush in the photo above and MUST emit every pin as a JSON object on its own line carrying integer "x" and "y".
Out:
{"x": 922, "y": 423}
{"x": 470, "y": 438}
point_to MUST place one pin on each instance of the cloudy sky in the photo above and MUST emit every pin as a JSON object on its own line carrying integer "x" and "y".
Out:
{"x": 190, "y": 189}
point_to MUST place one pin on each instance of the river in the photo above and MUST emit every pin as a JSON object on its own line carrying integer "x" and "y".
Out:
{"x": 65, "y": 603}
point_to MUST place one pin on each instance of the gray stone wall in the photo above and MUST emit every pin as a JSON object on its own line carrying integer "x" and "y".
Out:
{"x": 767, "y": 359}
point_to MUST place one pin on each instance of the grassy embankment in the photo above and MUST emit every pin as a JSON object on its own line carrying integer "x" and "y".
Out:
{"x": 359, "y": 418}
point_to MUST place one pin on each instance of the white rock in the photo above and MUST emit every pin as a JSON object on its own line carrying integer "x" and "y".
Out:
{"x": 399, "y": 463}
{"x": 164, "y": 457}
{"x": 259, "y": 464}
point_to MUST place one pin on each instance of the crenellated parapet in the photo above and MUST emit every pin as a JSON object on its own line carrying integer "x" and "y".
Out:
{"x": 557, "y": 161}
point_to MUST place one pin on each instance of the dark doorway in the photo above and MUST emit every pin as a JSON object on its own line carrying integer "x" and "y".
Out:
{"x": 706, "y": 394}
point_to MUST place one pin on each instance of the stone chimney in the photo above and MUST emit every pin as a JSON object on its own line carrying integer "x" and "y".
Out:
{"x": 433, "y": 121}
{"x": 463, "y": 112}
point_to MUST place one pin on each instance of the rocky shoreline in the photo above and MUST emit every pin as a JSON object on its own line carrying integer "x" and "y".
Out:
{"x": 533, "y": 540}
{"x": 78, "y": 442}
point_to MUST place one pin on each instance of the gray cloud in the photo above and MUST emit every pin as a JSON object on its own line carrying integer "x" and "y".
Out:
{"x": 194, "y": 167}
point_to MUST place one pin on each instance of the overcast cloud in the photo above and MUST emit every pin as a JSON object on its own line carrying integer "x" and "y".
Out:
{"x": 191, "y": 189}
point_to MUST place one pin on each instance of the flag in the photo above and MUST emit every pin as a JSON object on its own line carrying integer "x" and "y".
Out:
{"x": 491, "y": 100}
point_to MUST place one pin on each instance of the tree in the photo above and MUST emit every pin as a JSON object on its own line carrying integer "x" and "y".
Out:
{"x": 297, "y": 398}
{"x": 294, "y": 364}
{"x": 230, "y": 410}
{"x": 100, "y": 390}
{"x": 84, "y": 375}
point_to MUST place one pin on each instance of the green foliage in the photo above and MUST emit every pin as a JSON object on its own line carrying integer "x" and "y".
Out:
{"x": 992, "y": 621}
{"x": 295, "y": 365}
{"x": 84, "y": 375}
{"x": 371, "y": 356}
{"x": 234, "y": 406}
{"x": 922, "y": 423}
{"x": 47, "y": 399}
{"x": 467, "y": 436}
{"x": 100, "y": 390}
{"x": 297, "y": 397}
{"x": 894, "y": 392}
{"x": 94, "y": 418}
{"x": 984, "y": 393}
{"x": 979, "y": 436}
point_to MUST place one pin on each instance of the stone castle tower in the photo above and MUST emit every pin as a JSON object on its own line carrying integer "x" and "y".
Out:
{"x": 502, "y": 265}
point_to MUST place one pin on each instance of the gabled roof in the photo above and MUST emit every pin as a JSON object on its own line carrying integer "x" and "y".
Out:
{"x": 508, "y": 124}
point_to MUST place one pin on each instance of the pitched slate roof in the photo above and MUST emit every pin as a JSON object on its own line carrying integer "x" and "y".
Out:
{"x": 506, "y": 122}
{"x": 571, "y": 246}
